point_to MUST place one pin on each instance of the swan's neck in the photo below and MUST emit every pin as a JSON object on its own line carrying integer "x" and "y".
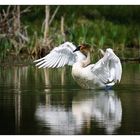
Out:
{"x": 87, "y": 60}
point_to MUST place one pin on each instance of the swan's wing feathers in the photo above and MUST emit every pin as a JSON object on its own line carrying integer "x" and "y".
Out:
{"x": 101, "y": 71}
{"x": 109, "y": 68}
{"x": 115, "y": 66}
{"x": 58, "y": 57}
{"x": 118, "y": 68}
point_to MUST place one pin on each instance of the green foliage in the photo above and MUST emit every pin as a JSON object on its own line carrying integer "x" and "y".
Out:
{"x": 101, "y": 26}
{"x": 4, "y": 47}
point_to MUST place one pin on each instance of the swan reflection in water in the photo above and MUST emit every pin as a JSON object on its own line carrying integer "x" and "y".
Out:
{"x": 102, "y": 107}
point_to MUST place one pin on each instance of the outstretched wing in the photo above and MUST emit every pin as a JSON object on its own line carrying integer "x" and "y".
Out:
{"x": 60, "y": 56}
{"x": 109, "y": 68}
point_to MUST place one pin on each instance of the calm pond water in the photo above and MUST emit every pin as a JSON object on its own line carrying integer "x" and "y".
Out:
{"x": 49, "y": 102}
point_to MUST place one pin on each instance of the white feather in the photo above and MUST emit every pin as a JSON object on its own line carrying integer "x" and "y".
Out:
{"x": 108, "y": 69}
{"x": 64, "y": 54}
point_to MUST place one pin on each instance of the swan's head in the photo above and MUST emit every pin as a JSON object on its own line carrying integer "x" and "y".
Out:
{"x": 83, "y": 48}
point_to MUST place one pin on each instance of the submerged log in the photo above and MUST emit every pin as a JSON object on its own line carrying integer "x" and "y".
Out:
{"x": 130, "y": 59}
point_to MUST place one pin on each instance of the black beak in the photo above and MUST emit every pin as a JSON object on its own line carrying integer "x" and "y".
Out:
{"x": 77, "y": 49}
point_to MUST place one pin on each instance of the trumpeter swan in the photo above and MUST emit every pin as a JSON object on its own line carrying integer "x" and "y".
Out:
{"x": 106, "y": 72}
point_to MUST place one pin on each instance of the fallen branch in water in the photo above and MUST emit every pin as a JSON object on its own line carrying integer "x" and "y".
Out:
{"x": 130, "y": 59}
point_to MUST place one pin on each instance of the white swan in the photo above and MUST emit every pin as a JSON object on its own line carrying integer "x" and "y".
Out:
{"x": 106, "y": 72}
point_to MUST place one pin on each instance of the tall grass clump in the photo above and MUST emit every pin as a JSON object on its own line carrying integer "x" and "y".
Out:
{"x": 99, "y": 26}
{"x": 5, "y": 47}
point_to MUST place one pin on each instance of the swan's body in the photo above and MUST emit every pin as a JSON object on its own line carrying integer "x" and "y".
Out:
{"x": 106, "y": 72}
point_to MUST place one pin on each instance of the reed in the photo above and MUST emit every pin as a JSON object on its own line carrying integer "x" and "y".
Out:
{"x": 100, "y": 26}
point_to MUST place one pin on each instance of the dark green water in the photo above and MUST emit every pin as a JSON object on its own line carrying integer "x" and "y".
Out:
{"x": 40, "y": 101}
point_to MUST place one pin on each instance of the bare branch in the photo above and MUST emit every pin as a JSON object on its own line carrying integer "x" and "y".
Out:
{"x": 47, "y": 12}
{"x": 23, "y": 37}
{"x": 56, "y": 10}
{"x": 26, "y": 10}
{"x": 8, "y": 9}
{"x": 62, "y": 29}
{"x": 4, "y": 13}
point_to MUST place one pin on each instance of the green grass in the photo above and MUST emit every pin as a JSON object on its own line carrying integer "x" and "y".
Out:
{"x": 95, "y": 25}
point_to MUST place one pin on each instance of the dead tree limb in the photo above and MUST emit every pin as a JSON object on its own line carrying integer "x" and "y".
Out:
{"x": 62, "y": 29}
{"x": 47, "y": 12}
{"x": 55, "y": 12}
